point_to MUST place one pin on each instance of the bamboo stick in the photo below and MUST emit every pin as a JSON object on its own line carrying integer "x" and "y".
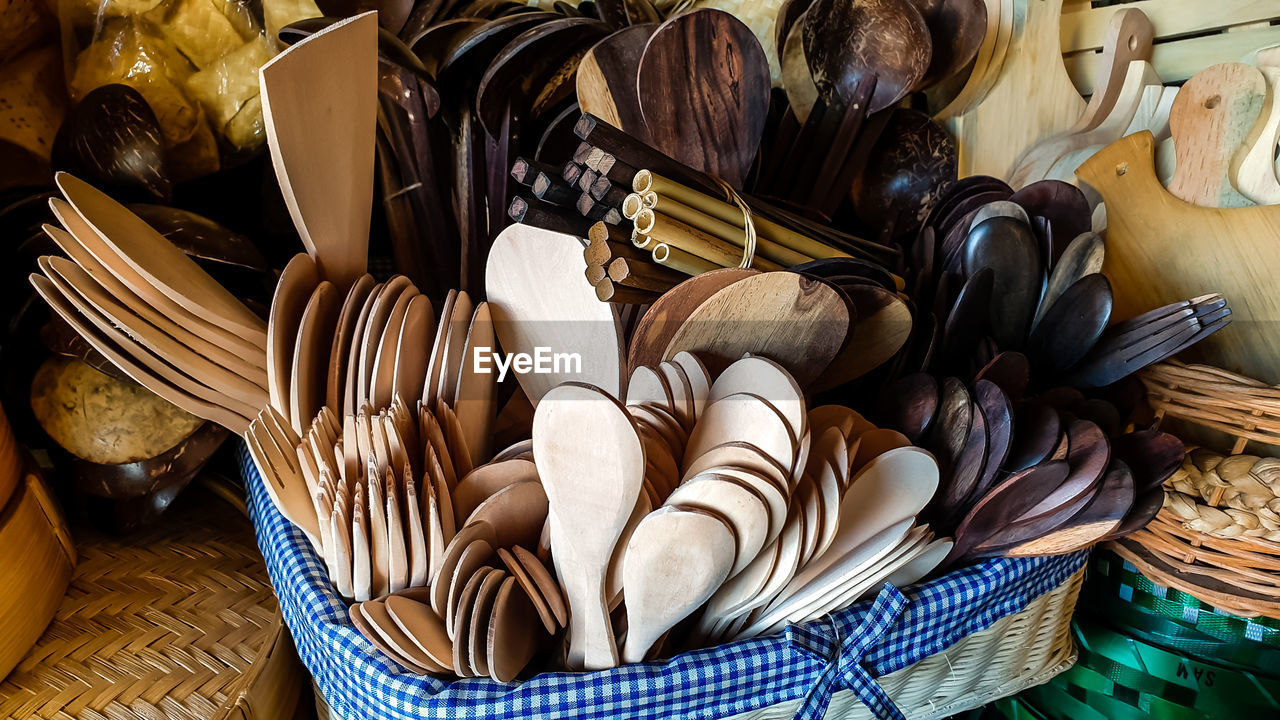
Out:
{"x": 602, "y": 250}
{"x": 596, "y": 273}
{"x": 679, "y": 260}
{"x": 765, "y": 248}
{"x": 697, "y": 242}
{"x": 643, "y": 275}
{"x": 590, "y": 208}
{"x": 646, "y": 180}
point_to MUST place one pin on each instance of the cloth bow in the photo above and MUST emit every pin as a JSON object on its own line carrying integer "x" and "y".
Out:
{"x": 822, "y": 640}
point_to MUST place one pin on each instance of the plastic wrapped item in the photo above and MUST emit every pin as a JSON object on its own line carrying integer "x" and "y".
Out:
{"x": 194, "y": 61}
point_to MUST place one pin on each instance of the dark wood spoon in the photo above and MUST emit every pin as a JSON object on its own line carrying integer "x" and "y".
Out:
{"x": 952, "y": 423}
{"x": 1064, "y": 206}
{"x": 913, "y": 162}
{"x": 909, "y": 404}
{"x": 1088, "y": 454}
{"x": 113, "y": 140}
{"x": 1008, "y": 247}
{"x": 969, "y": 319}
{"x": 524, "y": 73}
{"x": 1104, "y": 515}
{"x": 1010, "y": 371}
{"x": 704, "y": 92}
{"x": 963, "y": 188}
{"x": 1073, "y": 324}
{"x": 1153, "y": 456}
{"x": 968, "y": 467}
{"x": 1037, "y": 432}
{"x": 1005, "y": 503}
{"x": 997, "y": 418}
{"x": 606, "y": 79}
{"x": 957, "y": 29}
{"x": 846, "y": 42}
{"x": 1082, "y": 257}
{"x": 1145, "y": 508}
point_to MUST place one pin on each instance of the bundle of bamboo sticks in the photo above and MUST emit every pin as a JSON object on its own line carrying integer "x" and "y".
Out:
{"x": 681, "y": 221}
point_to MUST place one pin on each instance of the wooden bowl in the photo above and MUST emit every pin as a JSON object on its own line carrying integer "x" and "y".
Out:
{"x": 36, "y": 558}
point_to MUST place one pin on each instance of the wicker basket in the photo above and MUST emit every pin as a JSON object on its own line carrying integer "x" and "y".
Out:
{"x": 178, "y": 622}
{"x": 36, "y": 557}
{"x": 1196, "y": 547}
{"x": 1017, "y": 652}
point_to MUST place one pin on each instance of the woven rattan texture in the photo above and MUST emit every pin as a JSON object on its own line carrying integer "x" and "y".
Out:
{"x": 161, "y": 625}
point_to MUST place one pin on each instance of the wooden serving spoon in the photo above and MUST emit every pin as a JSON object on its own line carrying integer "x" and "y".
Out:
{"x": 606, "y": 79}
{"x": 675, "y": 560}
{"x": 847, "y": 42}
{"x": 797, "y": 321}
{"x": 538, "y": 298}
{"x": 703, "y": 84}
{"x": 591, "y": 462}
{"x": 164, "y": 267}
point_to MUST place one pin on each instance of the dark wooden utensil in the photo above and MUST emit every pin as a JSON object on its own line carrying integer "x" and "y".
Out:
{"x": 1082, "y": 257}
{"x": 962, "y": 189}
{"x": 392, "y": 14}
{"x": 913, "y": 163}
{"x": 840, "y": 269}
{"x": 997, "y": 418}
{"x": 1088, "y": 454}
{"x": 1103, "y": 516}
{"x": 969, "y": 320}
{"x": 952, "y": 423}
{"x": 1063, "y": 205}
{"x": 848, "y": 41}
{"x": 1009, "y": 248}
{"x": 704, "y": 92}
{"x": 1005, "y": 503}
{"x": 113, "y": 140}
{"x": 1151, "y": 455}
{"x": 1037, "y": 432}
{"x": 883, "y": 326}
{"x": 665, "y": 316}
{"x": 1145, "y": 508}
{"x": 909, "y": 405}
{"x": 607, "y": 78}
{"x": 525, "y": 74}
{"x": 968, "y": 467}
{"x": 1073, "y": 324}
{"x": 956, "y": 28}
{"x": 1010, "y": 371}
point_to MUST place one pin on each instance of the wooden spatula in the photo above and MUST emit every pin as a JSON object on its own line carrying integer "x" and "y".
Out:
{"x": 320, "y": 89}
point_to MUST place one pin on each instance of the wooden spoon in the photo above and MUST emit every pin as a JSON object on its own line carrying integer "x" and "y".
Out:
{"x": 322, "y": 88}
{"x": 848, "y": 41}
{"x": 591, "y": 462}
{"x": 516, "y": 512}
{"x": 310, "y": 369}
{"x": 734, "y": 502}
{"x": 703, "y": 84}
{"x": 674, "y": 562}
{"x": 538, "y": 298}
{"x": 1072, "y": 324}
{"x": 910, "y": 404}
{"x": 1009, "y": 248}
{"x": 1151, "y": 455}
{"x": 511, "y": 638}
{"x": 668, "y": 313}
{"x": 162, "y": 265}
{"x": 606, "y": 79}
{"x": 798, "y": 322}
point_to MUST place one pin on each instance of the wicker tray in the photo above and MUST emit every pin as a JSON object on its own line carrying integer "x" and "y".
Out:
{"x": 1207, "y": 546}
{"x": 178, "y": 622}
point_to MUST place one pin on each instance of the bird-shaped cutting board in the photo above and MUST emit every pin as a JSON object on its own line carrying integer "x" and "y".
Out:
{"x": 1161, "y": 249}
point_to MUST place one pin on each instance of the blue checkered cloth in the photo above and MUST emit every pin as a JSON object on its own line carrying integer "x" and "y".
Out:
{"x": 847, "y": 649}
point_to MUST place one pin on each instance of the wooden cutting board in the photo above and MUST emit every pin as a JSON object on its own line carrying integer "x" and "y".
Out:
{"x": 1032, "y": 99}
{"x": 1161, "y": 250}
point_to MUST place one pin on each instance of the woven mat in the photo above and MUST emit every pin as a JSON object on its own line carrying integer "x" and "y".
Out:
{"x": 161, "y": 625}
